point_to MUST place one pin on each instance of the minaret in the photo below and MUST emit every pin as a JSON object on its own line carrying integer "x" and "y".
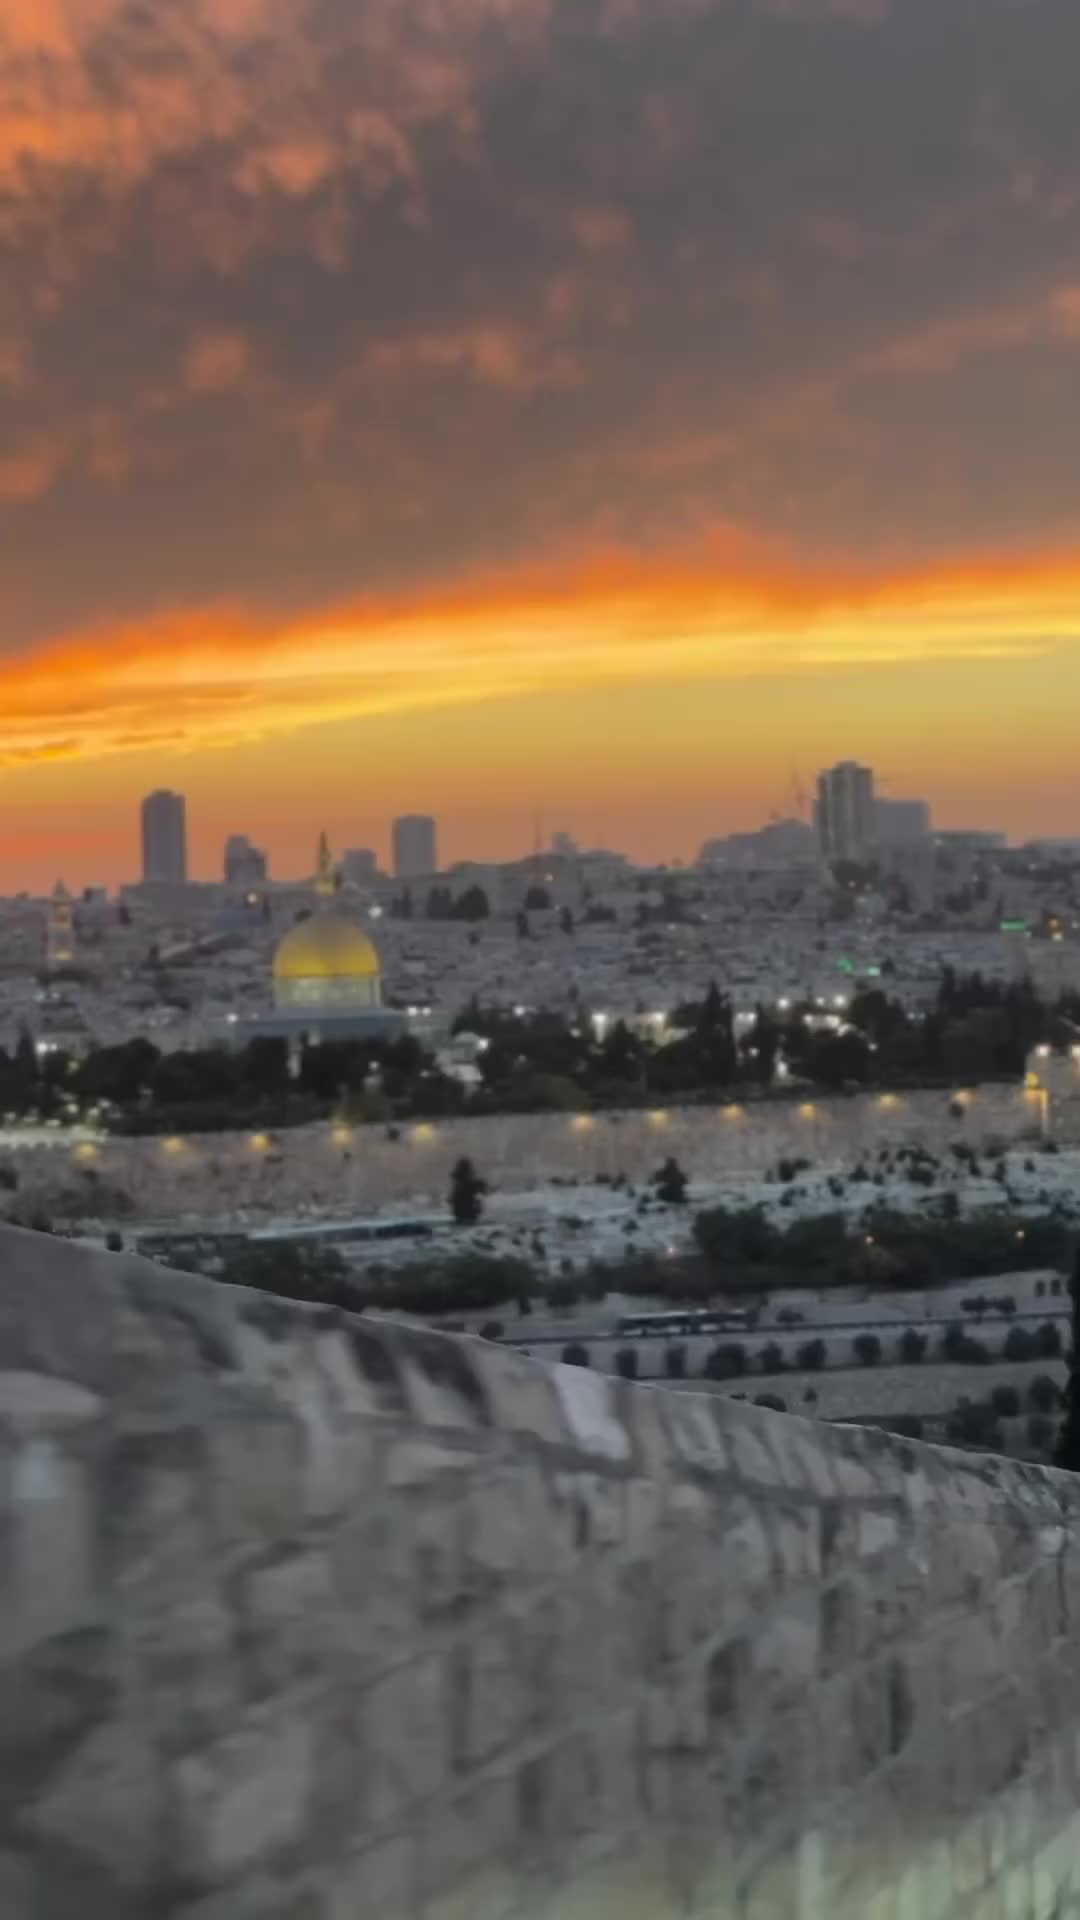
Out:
{"x": 60, "y": 929}
{"x": 325, "y": 878}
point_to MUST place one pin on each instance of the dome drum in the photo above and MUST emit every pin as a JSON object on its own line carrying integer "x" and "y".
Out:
{"x": 326, "y": 961}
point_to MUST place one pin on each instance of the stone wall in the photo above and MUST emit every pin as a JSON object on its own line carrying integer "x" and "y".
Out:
{"x": 307, "y": 1620}
{"x": 325, "y": 1169}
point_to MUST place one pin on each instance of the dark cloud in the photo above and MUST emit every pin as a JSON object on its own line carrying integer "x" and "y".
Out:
{"x": 304, "y": 297}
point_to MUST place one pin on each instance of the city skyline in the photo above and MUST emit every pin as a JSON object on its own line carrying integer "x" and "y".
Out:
{"x": 183, "y": 847}
{"x": 629, "y": 400}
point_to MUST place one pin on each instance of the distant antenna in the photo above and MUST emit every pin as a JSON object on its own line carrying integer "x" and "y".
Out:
{"x": 798, "y": 796}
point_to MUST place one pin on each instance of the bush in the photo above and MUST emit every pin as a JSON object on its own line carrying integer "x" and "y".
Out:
{"x": 772, "y": 1401}
{"x": 974, "y": 1426}
{"x": 670, "y": 1183}
{"x": 913, "y": 1345}
{"x": 867, "y": 1349}
{"x": 492, "y": 1330}
{"x": 675, "y": 1363}
{"x": 812, "y": 1356}
{"x": 1048, "y": 1341}
{"x": 1019, "y": 1344}
{"x": 561, "y": 1294}
{"x": 772, "y": 1358}
{"x": 726, "y": 1362}
{"x": 626, "y": 1363}
{"x": 1040, "y": 1432}
{"x": 114, "y": 1242}
{"x": 575, "y": 1355}
{"x": 1044, "y": 1394}
{"x": 1005, "y": 1402}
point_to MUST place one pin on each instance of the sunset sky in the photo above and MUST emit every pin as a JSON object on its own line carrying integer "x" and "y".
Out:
{"x": 600, "y": 408}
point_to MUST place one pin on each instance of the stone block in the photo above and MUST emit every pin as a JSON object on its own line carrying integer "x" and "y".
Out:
{"x": 355, "y": 1392}
{"x": 589, "y": 1411}
{"x": 189, "y": 1673}
{"x": 595, "y": 1507}
{"x": 50, "y": 1700}
{"x": 256, "y": 1477}
{"x": 105, "y": 1804}
{"x": 796, "y": 1540}
{"x": 407, "y": 1737}
{"x": 418, "y": 1462}
{"x": 154, "y": 1505}
{"x": 751, "y": 1456}
{"x": 290, "y": 1619}
{"x": 786, "y": 1649}
{"x": 489, "y": 1707}
{"x": 243, "y": 1800}
{"x": 36, "y": 1403}
{"x": 444, "y": 1380}
{"x": 696, "y": 1438}
{"x": 523, "y": 1397}
{"x": 52, "y": 1579}
{"x": 514, "y": 1530}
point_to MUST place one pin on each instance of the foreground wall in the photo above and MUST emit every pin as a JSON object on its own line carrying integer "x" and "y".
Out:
{"x": 304, "y": 1620}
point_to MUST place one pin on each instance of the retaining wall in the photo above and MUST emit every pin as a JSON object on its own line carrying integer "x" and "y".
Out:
{"x": 324, "y": 1169}
{"x": 308, "y": 1620}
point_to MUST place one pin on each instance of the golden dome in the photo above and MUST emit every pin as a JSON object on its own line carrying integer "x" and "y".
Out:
{"x": 326, "y": 947}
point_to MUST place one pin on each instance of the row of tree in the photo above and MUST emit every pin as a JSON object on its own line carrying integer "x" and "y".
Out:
{"x": 551, "y": 1061}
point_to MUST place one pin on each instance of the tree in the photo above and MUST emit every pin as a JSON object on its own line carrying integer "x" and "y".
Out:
{"x": 537, "y": 899}
{"x": 772, "y": 1358}
{"x": 263, "y": 1065}
{"x": 626, "y": 1363}
{"x": 714, "y": 1040}
{"x": 913, "y": 1346}
{"x": 1005, "y": 1402}
{"x": 467, "y": 1192}
{"x": 974, "y": 1425}
{"x": 867, "y": 1349}
{"x": 671, "y": 1183}
{"x": 566, "y": 920}
{"x": 812, "y": 1356}
{"x": 473, "y": 905}
{"x": 675, "y": 1362}
{"x": 1019, "y": 1345}
{"x": 575, "y": 1355}
{"x": 1067, "y": 1453}
{"x": 291, "y": 1271}
{"x": 1044, "y": 1394}
{"x": 1048, "y": 1342}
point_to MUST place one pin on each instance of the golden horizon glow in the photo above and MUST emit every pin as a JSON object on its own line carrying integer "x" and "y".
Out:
{"x": 214, "y": 678}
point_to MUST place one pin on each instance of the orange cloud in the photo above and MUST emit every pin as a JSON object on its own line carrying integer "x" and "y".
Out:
{"x": 217, "y": 361}
{"x": 1053, "y": 316}
{"x": 218, "y": 676}
{"x": 29, "y": 471}
{"x": 494, "y": 355}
